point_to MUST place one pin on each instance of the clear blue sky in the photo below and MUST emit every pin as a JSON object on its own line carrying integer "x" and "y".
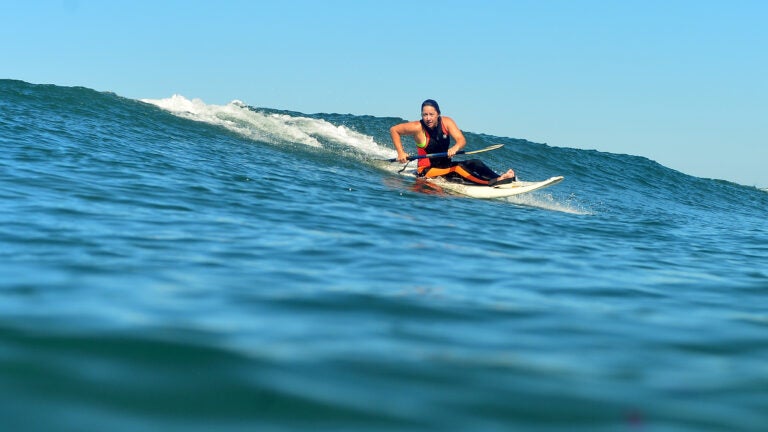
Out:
{"x": 683, "y": 82}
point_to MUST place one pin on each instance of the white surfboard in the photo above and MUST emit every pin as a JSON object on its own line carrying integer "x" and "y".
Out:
{"x": 500, "y": 191}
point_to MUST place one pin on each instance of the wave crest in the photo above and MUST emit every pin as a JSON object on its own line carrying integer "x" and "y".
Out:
{"x": 272, "y": 128}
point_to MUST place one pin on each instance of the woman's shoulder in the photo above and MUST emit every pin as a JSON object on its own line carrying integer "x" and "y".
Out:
{"x": 447, "y": 120}
{"x": 411, "y": 126}
{"x": 449, "y": 123}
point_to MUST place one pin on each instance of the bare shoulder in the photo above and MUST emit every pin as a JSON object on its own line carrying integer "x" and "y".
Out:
{"x": 449, "y": 123}
{"x": 407, "y": 128}
{"x": 448, "y": 120}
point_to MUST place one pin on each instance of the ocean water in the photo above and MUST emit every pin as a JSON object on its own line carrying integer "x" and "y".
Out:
{"x": 179, "y": 266}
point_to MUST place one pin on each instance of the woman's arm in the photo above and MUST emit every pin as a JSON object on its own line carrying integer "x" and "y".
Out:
{"x": 399, "y": 131}
{"x": 455, "y": 133}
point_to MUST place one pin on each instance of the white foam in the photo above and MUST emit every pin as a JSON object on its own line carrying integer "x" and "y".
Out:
{"x": 547, "y": 201}
{"x": 271, "y": 128}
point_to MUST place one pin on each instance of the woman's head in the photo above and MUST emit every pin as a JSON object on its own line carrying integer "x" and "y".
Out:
{"x": 432, "y": 103}
{"x": 430, "y": 111}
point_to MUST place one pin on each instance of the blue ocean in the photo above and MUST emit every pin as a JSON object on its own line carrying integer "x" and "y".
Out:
{"x": 173, "y": 265}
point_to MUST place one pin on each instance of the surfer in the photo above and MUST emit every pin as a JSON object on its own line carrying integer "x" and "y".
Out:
{"x": 433, "y": 134}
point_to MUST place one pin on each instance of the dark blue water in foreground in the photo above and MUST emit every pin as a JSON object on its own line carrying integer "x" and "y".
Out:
{"x": 171, "y": 265}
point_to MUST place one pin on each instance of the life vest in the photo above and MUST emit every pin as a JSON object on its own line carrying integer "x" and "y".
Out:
{"x": 438, "y": 141}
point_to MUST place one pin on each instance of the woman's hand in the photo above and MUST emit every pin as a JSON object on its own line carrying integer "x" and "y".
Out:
{"x": 402, "y": 157}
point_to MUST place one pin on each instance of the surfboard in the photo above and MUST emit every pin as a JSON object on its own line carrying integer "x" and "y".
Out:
{"x": 500, "y": 191}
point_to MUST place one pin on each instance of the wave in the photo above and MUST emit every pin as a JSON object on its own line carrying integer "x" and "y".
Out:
{"x": 646, "y": 182}
{"x": 269, "y": 127}
{"x": 594, "y": 179}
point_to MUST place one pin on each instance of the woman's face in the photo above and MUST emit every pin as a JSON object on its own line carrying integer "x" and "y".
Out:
{"x": 429, "y": 115}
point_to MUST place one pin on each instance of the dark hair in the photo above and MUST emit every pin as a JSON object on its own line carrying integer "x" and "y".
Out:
{"x": 432, "y": 103}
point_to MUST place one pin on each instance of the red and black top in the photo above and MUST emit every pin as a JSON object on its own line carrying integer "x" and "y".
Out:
{"x": 438, "y": 141}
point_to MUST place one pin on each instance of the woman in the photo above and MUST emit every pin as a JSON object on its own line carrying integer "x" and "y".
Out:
{"x": 433, "y": 135}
